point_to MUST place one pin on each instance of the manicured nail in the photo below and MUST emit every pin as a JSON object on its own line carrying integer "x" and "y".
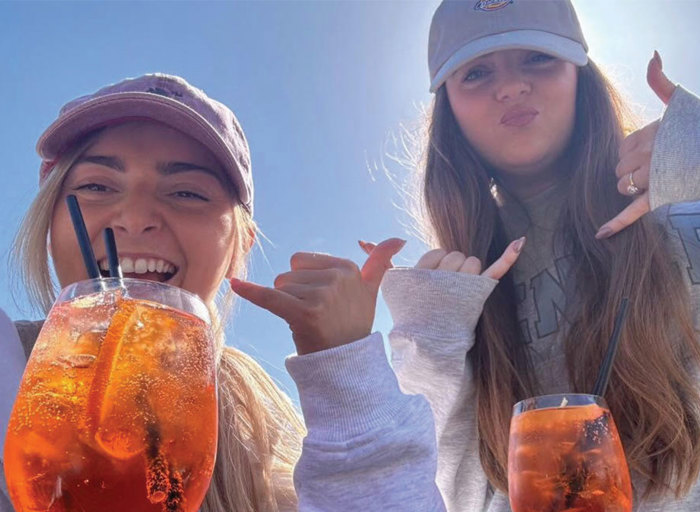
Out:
{"x": 604, "y": 233}
{"x": 519, "y": 243}
{"x": 365, "y": 246}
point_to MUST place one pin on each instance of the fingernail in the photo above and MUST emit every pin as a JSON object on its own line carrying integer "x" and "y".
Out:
{"x": 657, "y": 58}
{"x": 403, "y": 242}
{"x": 362, "y": 244}
{"x": 518, "y": 245}
{"x": 604, "y": 233}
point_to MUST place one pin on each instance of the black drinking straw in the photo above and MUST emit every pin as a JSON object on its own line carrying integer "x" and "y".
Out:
{"x": 114, "y": 269}
{"x": 601, "y": 383}
{"x": 83, "y": 240}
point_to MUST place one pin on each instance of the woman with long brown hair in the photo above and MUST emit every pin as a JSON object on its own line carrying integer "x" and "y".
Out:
{"x": 527, "y": 165}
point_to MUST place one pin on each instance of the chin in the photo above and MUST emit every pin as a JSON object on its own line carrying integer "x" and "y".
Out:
{"x": 523, "y": 165}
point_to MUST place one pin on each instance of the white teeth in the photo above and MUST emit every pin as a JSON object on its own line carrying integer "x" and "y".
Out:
{"x": 141, "y": 266}
{"x": 127, "y": 265}
{"x": 104, "y": 265}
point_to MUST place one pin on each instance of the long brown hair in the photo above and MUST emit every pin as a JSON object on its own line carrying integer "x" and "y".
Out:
{"x": 259, "y": 428}
{"x": 652, "y": 394}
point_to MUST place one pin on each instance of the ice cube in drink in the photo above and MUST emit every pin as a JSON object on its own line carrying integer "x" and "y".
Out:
{"x": 567, "y": 459}
{"x": 116, "y": 410}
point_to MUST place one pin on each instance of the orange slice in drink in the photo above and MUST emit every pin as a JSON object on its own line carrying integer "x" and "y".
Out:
{"x": 118, "y": 443}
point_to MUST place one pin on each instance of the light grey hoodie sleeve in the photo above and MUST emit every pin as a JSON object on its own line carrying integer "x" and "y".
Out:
{"x": 369, "y": 446}
{"x": 12, "y": 363}
{"x": 435, "y": 314}
{"x": 675, "y": 162}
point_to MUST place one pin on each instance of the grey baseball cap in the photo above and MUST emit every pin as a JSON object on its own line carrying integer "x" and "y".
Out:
{"x": 164, "y": 98}
{"x": 463, "y": 30}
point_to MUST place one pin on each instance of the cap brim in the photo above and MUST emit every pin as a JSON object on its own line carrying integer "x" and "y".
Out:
{"x": 545, "y": 42}
{"x": 118, "y": 107}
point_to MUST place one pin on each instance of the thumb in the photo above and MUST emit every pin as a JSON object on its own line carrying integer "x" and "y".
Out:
{"x": 379, "y": 260}
{"x": 658, "y": 81}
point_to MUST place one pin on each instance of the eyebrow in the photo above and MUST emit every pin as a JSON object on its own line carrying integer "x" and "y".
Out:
{"x": 177, "y": 167}
{"x": 106, "y": 161}
{"x": 165, "y": 169}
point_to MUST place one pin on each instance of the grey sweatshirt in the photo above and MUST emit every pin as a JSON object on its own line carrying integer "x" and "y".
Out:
{"x": 435, "y": 313}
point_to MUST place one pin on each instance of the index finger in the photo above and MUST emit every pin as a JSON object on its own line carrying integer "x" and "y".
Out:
{"x": 634, "y": 211}
{"x": 502, "y": 265}
{"x": 277, "y": 302}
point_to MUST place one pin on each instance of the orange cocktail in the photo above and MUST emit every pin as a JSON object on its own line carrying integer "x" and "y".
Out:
{"x": 117, "y": 407}
{"x": 565, "y": 455}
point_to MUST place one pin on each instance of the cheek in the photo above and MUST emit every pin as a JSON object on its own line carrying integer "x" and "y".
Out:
{"x": 211, "y": 243}
{"x": 474, "y": 119}
{"x": 64, "y": 250}
{"x": 479, "y": 128}
{"x": 563, "y": 94}
{"x": 561, "y": 127}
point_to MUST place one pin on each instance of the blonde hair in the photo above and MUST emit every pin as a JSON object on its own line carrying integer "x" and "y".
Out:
{"x": 259, "y": 429}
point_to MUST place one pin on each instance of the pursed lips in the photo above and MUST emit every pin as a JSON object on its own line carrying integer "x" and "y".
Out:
{"x": 519, "y": 116}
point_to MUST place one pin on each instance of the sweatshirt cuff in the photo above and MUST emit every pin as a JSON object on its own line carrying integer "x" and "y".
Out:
{"x": 346, "y": 391}
{"x": 675, "y": 159}
{"x": 436, "y": 304}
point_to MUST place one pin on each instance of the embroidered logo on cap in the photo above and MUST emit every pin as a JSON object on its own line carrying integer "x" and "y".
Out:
{"x": 491, "y": 5}
{"x": 163, "y": 92}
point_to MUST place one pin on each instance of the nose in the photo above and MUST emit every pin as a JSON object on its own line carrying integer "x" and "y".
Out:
{"x": 512, "y": 85}
{"x": 138, "y": 215}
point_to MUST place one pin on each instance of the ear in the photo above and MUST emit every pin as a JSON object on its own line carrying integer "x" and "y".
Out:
{"x": 247, "y": 245}
{"x": 250, "y": 241}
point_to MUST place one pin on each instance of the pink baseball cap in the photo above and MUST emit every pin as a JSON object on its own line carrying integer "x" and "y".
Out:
{"x": 164, "y": 98}
{"x": 462, "y": 30}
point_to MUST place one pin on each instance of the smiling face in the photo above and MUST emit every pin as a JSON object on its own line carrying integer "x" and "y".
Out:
{"x": 167, "y": 200}
{"x": 517, "y": 109}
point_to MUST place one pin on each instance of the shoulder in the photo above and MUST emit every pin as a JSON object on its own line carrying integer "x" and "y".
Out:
{"x": 681, "y": 222}
{"x": 28, "y": 331}
{"x": 677, "y": 217}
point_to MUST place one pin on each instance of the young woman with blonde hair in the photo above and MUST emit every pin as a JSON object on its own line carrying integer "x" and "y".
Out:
{"x": 168, "y": 169}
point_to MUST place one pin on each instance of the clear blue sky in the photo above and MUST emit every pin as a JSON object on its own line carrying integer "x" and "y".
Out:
{"x": 320, "y": 89}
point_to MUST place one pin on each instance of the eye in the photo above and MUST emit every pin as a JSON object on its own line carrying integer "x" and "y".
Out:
{"x": 92, "y": 187}
{"x": 475, "y": 74}
{"x": 187, "y": 194}
{"x": 538, "y": 58}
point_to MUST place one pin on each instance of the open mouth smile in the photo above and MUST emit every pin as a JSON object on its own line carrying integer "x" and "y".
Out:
{"x": 153, "y": 269}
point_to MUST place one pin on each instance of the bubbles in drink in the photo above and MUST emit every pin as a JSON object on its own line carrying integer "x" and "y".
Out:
{"x": 117, "y": 411}
{"x": 567, "y": 459}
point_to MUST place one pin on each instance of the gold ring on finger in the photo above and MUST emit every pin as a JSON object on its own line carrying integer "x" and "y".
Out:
{"x": 632, "y": 189}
